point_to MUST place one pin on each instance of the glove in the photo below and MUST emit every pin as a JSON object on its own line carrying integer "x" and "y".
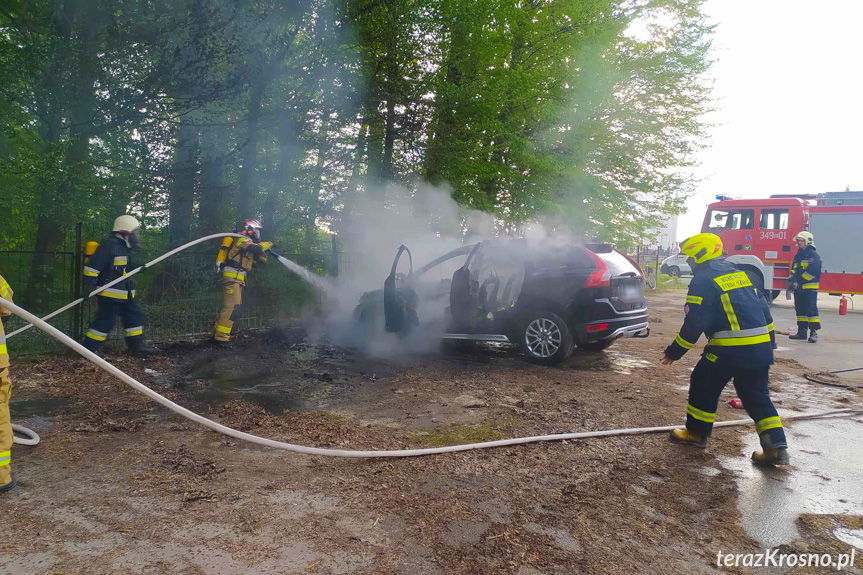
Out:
{"x": 267, "y": 246}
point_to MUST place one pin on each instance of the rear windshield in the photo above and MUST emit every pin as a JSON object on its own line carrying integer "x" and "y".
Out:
{"x": 618, "y": 264}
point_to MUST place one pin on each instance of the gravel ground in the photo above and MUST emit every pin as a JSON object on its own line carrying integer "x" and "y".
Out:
{"x": 120, "y": 485}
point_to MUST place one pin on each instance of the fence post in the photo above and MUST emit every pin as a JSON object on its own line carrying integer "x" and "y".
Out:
{"x": 657, "y": 261}
{"x": 334, "y": 258}
{"x": 78, "y": 271}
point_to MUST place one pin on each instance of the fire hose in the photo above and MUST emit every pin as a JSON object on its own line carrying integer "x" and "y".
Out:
{"x": 218, "y": 427}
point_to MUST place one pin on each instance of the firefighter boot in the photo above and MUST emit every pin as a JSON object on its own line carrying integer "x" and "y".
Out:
{"x": 10, "y": 485}
{"x": 769, "y": 454}
{"x": 685, "y": 437}
{"x": 144, "y": 349}
{"x": 801, "y": 334}
{"x": 813, "y": 336}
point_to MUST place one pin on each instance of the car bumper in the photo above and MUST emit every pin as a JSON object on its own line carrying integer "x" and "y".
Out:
{"x": 636, "y": 325}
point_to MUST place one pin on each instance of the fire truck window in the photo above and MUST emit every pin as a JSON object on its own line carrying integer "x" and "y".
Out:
{"x": 774, "y": 219}
{"x": 732, "y": 220}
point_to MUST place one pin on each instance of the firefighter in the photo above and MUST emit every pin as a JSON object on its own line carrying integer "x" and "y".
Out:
{"x": 805, "y": 275}
{"x": 236, "y": 258}
{"x": 7, "y": 481}
{"x": 723, "y": 304}
{"x": 111, "y": 260}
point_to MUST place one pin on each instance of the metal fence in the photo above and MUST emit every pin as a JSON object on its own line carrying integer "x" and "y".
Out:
{"x": 180, "y": 297}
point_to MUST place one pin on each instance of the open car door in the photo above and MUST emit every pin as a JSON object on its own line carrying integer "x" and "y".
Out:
{"x": 464, "y": 296}
{"x": 400, "y": 299}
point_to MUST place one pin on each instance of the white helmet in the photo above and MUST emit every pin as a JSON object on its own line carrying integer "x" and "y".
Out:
{"x": 126, "y": 224}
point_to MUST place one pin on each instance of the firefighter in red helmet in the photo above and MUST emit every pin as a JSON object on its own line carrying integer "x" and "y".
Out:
{"x": 236, "y": 258}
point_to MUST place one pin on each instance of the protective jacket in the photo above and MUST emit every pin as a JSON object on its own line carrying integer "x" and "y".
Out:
{"x": 241, "y": 257}
{"x": 806, "y": 268}
{"x": 723, "y": 304}
{"x": 112, "y": 259}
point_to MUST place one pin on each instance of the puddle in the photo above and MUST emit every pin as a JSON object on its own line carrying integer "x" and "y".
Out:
{"x": 608, "y": 361}
{"x": 853, "y": 537}
{"x": 41, "y": 408}
{"x": 824, "y": 478}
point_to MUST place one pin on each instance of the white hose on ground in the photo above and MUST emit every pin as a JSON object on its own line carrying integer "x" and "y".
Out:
{"x": 30, "y": 436}
{"x": 87, "y": 354}
{"x": 149, "y": 264}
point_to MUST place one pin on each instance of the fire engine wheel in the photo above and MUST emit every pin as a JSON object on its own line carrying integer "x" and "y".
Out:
{"x": 545, "y": 338}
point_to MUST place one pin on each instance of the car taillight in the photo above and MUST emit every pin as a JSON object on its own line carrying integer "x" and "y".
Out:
{"x": 594, "y": 327}
{"x": 600, "y": 277}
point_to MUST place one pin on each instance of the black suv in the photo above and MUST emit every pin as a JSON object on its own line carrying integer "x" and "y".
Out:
{"x": 543, "y": 296}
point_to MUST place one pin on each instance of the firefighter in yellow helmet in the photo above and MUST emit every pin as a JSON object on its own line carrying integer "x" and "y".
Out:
{"x": 236, "y": 258}
{"x": 7, "y": 481}
{"x": 723, "y": 304}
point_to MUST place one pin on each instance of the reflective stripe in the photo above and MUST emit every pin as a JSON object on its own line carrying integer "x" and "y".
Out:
{"x": 97, "y": 335}
{"x": 91, "y": 272}
{"x": 133, "y": 331}
{"x": 741, "y": 332}
{"x": 700, "y": 415}
{"x": 735, "y": 341}
{"x": 711, "y": 357}
{"x": 5, "y": 458}
{"x": 770, "y": 327}
{"x": 807, "y": 276}
{"x": 223, "y": 329}
{"x": 729, "y": 312}
{"x": 802, "y": 318}
{"x": 3, "y": 350}
{"x": 234, "y": 273}
{"x": 116, "y": 293}
{"x": 4, "y": 288}
{"x": 682, "y": 342}
{"x": 694, "y": 299}
{"x": 814, "y": 319}
{"x": 813, "y": 285}
{"x": 121, "y": 261}
{"x": 804, "y": 264}
{"x": 768, "y": 423}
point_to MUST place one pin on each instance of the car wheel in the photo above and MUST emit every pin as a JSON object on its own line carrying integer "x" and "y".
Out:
{"x": 674, "y": 271}
{"x": 545, "y": 338}
{"x": 596, "y": 345}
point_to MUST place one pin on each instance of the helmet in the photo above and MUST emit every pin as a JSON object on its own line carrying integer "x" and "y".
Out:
{"x": 809, "y": 238}
{"x": 252, "y": 228}
{"x": 702, "y": 247}
{"x": 126, "y": 224}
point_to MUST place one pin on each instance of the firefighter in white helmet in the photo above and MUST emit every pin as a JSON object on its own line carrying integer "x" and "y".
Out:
{"x": 112, "y": 260}
{"x": 804, "y": 281}
{"x": 236, "y": 258}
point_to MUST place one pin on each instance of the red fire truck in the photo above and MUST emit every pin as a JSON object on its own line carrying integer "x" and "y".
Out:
{"x": 759, "y": 237}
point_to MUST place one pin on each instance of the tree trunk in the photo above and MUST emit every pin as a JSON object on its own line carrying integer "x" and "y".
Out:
{"x": 311, "y": 232}
{"x": 248, "y": 181}
{"x": 213, "y": 188}
{"x": 389, "y": 140}
{"x": 182, "y": 191}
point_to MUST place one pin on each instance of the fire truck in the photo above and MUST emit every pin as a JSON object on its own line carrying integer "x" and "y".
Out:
{"x": 758, "y": 236}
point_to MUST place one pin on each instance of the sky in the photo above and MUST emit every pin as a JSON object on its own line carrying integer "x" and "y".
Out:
{"x": 788, "y": 99}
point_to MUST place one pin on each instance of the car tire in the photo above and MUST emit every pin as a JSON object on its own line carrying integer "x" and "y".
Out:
{"x": 674, "y": 271}
{"x": 544, "y": 338}
{"x": 596, "y": 345}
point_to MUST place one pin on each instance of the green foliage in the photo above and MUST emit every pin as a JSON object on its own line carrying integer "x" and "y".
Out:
{"x": 194, "y": 114}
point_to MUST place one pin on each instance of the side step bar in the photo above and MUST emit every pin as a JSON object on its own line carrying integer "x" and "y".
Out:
{"x": 477, "y": 337}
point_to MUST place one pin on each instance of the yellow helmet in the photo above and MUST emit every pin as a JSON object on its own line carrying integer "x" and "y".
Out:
{"x": 702, "y": 247}
{"x": 810, "y": 239}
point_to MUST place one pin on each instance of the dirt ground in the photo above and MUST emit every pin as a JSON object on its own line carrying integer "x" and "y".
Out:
{"x": 120, "y": 485}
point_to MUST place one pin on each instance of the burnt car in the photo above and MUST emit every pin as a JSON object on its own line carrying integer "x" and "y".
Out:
{"x": 545, "y": 297}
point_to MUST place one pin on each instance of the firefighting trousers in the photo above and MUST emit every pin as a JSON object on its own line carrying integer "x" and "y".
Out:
{"x": 109, "y": 308}
{"x": 806, "y": 306}
{"x": 232, "y": 298}
{"x": 706, "y": 383}
{"x": 5, "y": 422}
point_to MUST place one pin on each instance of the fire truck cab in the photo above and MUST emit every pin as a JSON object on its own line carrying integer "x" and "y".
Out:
{"x": 758, "y": 236}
